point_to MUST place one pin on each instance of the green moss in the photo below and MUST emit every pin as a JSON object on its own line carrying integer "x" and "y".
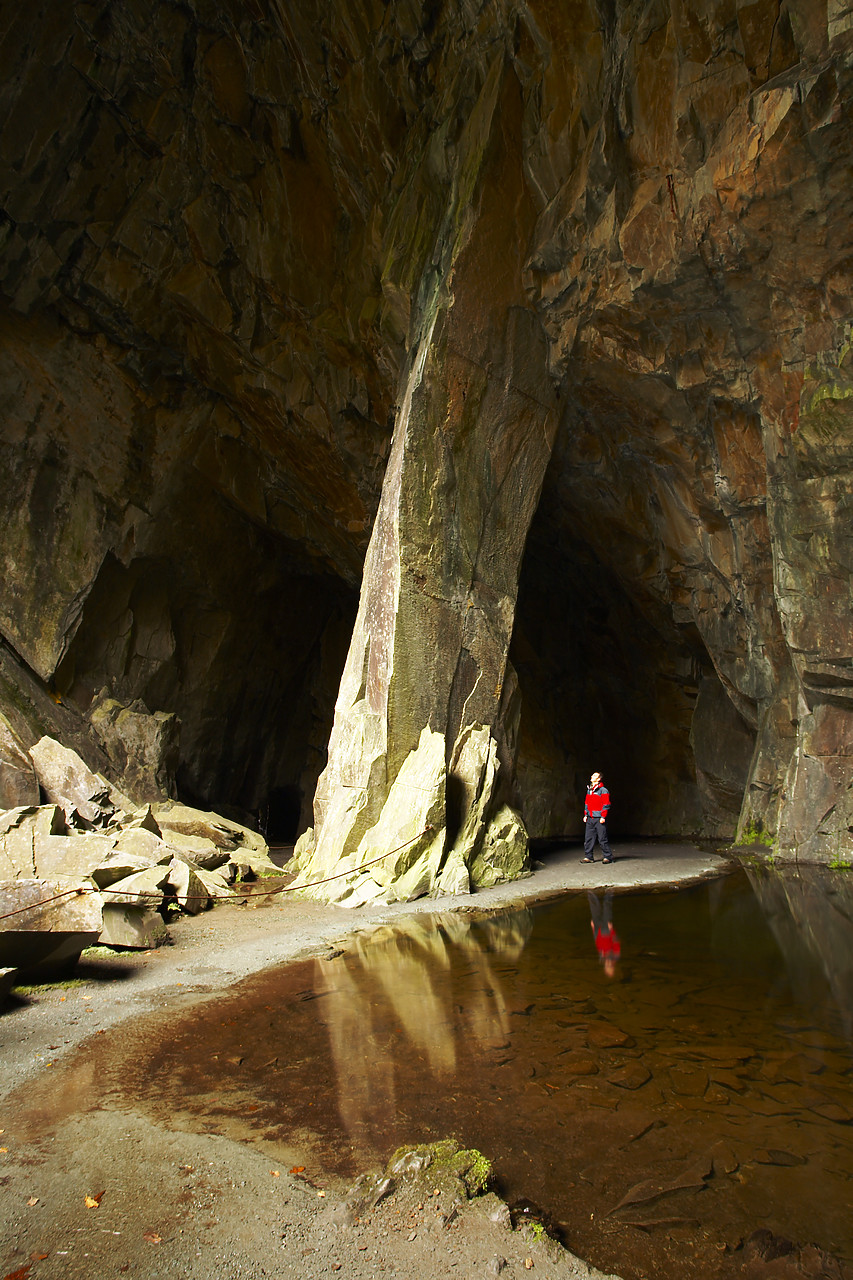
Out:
{"x": 754, "y": 833}
{"x": 468, "y": 1164}
{"x": 57, "y": 984}
{"x": 840, "y": 864}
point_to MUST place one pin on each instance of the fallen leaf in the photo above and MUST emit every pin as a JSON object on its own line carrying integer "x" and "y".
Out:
{"x": 20, "y": 1274}
{"x": 4, "y": 1149}
{"x": 297, "y": 1168}
{"x": 39, "y": 1257}
{"x": 528, "y": 1262}
{"x": 33, "y": 1200}
{"x": 275, "y": 1173}
{"x": 321, "y": 1193}
{"x": 152, "y": 1237}
{"x": 93, "y": 1202}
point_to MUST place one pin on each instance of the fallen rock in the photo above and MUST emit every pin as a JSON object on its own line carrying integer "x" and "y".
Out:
{"x": 203, "y": 852}
{"x": 69, "y": 782}
{"x": 503, "y": 854}
{"x": 142, "y": 889}
{"x": 76, "y": 855}
{"x": 142, "y": 843}
{"x": 215, "y": 883}
{"x": 142, "y": 745}
{"x": 189, "y": 890}
{"x": 173, "y": 816}
{"x": 128, "y": 926}
{"x": 53, "y": 921}
{"x": 118, "y": 867}
{"x": 18, "y": 781}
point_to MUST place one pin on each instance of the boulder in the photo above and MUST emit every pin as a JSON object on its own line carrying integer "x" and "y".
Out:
{"x": 203, "y": 852}
{"x": 225, "y": 834}
{"x": 54, "y": 920}
{"x": 142, "y": 746}
{"x": 142, "y": 843}
{"x": 142, "y": 820}
{"x": 118, "y": 867}
{"x": 69, "y": 782}
{"x": 503, "y": 854}
{"x": 190, "y": 891}
{"x": 26, "y": 832}
{"x": 75, "y": 855}
{"x": 18, "y": 781}
{"x": 215, "y": 883}
{"x": 16, "y": 845}
{"x": 137, "y": 927}
{"x": 141, "y": 889}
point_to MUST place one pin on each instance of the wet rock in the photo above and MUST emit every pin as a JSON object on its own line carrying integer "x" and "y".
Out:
{"x": 724, "y": 1159}
{"x": 579, "y": 1064}
{"x": 690, "y": 1082}
{"x": 690, "y": 1178}
{"x": 495, "y": 1266}
{"x": 135, "y": 927}
{"x": 780, "y": 1159}
{"x": 601, "y": 1035}
{"x": 68, "y": 781}
{"x": 632, "y": 1076}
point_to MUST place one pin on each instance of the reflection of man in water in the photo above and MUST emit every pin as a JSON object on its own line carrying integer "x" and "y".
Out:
{"x": 606, "y": 938}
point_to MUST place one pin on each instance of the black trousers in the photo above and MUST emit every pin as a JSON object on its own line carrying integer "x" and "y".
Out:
{"x": 596, "y": 830}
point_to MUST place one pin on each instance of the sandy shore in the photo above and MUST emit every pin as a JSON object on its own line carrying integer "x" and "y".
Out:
{"x": 192, "y": 1204}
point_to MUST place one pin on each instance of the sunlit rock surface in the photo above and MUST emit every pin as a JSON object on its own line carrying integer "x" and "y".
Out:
{"x": 262, "y": 278}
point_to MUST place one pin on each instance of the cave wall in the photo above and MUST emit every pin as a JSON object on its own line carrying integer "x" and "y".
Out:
{"x": 230, "y": 234}
{"x": 691, "y": 266}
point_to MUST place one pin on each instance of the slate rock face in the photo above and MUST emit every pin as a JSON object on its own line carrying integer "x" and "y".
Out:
{"x": 534, "y": 323}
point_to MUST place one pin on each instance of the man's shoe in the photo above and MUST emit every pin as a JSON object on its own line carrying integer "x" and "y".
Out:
{"x": 587, "y": 859}
{"x": 607, "y": 861}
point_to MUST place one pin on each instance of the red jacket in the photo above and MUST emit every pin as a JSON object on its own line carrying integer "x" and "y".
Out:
{"x": 597, "y": 802}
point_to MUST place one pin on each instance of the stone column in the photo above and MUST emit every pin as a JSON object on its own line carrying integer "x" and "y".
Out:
{"x": 421, "y": 756}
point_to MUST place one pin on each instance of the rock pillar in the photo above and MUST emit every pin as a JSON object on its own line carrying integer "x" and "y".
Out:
{"x": 421, "y": 756}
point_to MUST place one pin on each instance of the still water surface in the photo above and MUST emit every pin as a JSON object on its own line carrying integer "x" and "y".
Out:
{"x": 659, "y": 1116}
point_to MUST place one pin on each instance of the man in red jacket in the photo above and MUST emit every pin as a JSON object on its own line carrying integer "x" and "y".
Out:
{"x": 595, "y": 810}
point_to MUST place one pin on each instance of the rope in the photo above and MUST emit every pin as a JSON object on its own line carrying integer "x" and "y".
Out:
{"x": 198, "y": 897}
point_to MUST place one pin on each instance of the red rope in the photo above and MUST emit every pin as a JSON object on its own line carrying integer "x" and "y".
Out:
{"x": 197, "y": 897}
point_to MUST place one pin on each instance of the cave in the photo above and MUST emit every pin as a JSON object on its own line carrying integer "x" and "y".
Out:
{"x": 438, "y": 401}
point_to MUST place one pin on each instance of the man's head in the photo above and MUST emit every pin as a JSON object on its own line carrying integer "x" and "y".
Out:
{"x": 595, "y": 780}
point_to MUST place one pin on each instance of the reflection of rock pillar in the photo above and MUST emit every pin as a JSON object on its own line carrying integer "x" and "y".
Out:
{"x": 426, "y": 694}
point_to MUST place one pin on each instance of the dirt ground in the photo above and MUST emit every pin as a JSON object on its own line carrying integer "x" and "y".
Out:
{"x": 94, "y": 1187}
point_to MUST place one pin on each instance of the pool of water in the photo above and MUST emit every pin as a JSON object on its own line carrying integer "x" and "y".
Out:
{"x": 685, "y": 1110}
